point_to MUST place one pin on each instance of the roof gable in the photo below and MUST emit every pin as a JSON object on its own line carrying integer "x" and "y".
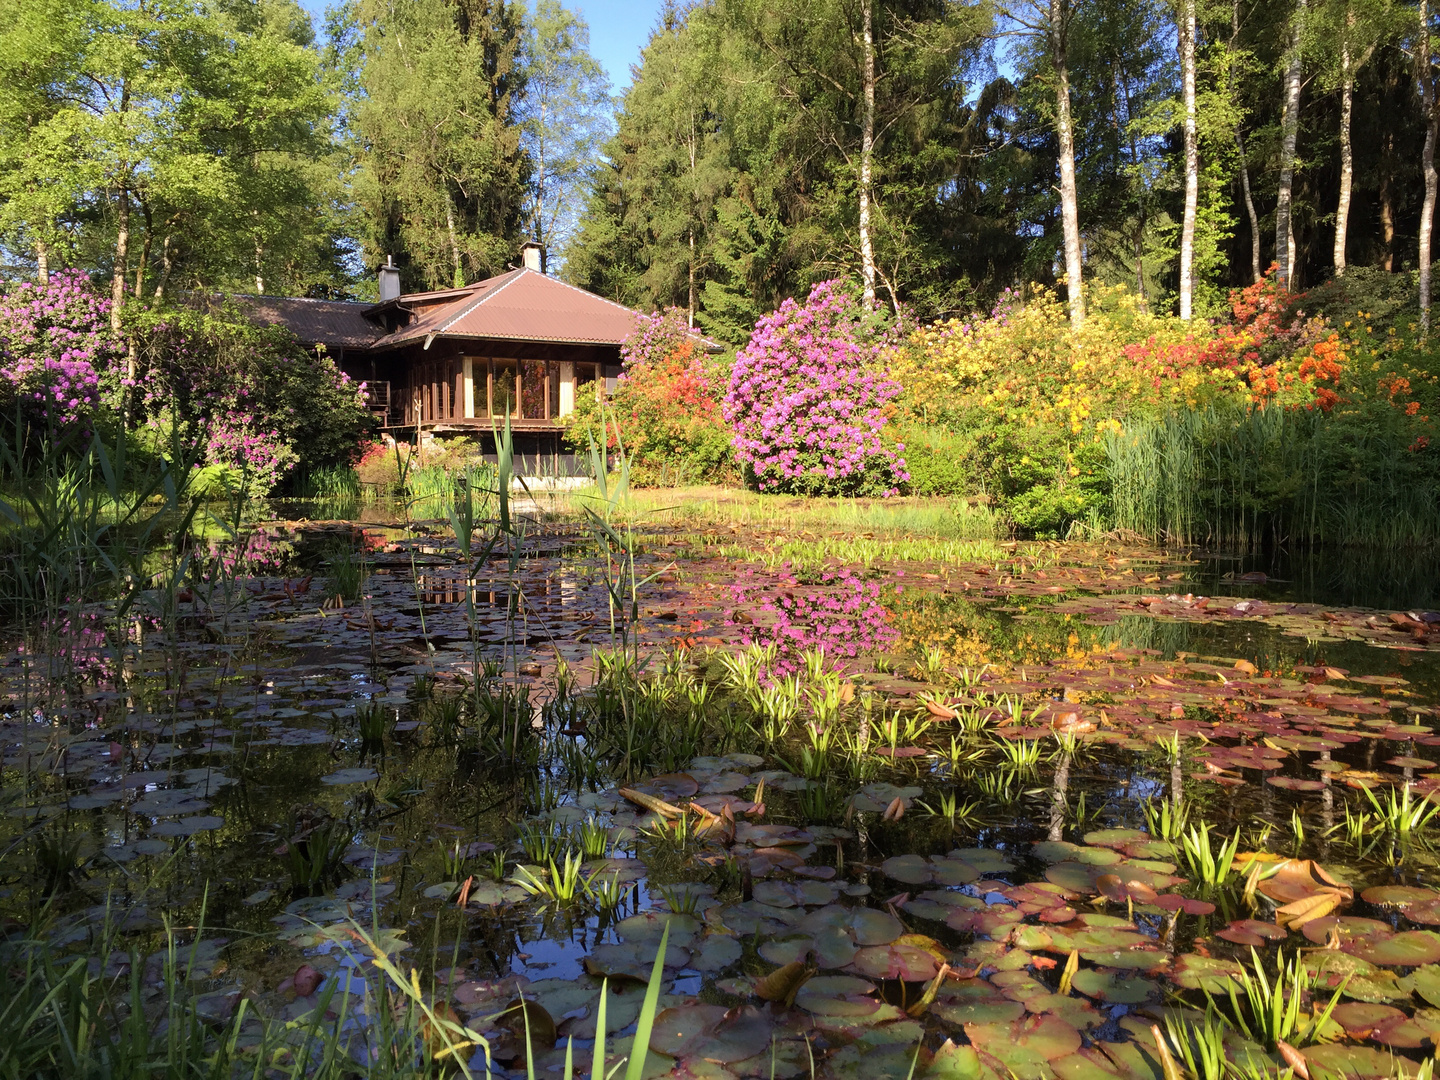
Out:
{"x": 523, "y": 305}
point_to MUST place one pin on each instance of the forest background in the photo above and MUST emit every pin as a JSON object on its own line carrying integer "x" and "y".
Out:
{"x": 1029, "y": 197}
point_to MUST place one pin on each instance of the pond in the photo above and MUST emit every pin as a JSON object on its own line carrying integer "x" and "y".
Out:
{"x": 1013, "y": 809}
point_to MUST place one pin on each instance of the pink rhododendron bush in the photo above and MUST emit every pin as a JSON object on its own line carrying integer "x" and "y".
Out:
{"x": 807, "y": 400}
{"x": 58, "y": 357}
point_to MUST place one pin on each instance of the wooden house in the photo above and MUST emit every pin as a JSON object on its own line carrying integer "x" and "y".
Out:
{"x": 521, "y": 344}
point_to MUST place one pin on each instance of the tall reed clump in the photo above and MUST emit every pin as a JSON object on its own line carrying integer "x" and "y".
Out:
{"x": 84, "y": 519}
{"x": 1246, "y": 476}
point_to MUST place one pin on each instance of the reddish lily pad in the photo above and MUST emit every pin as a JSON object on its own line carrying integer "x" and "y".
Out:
{"x": 1252, "y": 932}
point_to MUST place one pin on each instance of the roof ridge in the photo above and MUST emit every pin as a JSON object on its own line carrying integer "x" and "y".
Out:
{"x": 471, "y": 305}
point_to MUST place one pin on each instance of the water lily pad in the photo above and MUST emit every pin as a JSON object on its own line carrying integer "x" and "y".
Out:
{"x": 1113, "y": 987}
{"x": 1425, "y": 981}
{"x": 188, "y": 826}
{"x": 865, "y": 926}
{"x": 1340, "y": 1061}
{"x": 1252, "y": 932}
{"x": 897, "y": 961}
{"x": 1026, "y": 1046}
{"x": 1359, "y": 1018}
{"x": 1115, "y": 837}
{"x": 710, "y": 1032}
{"x": 1411, "y": 948}
{"x": 1213, "y": 973}
{"x": 715, "y": 953}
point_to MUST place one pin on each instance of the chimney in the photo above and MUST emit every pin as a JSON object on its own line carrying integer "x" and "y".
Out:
{"x": 532, "y": 256}
{"x": 389, "y": 280}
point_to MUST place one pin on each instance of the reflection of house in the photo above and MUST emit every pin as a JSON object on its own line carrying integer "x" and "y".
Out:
{"x": 460, "y": 360}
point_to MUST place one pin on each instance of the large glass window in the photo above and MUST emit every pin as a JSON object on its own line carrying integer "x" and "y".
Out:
{"x": 532, "y": 389}
{"x": 502, "y": 393}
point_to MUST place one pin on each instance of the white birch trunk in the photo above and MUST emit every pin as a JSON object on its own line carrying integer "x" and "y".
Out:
{"x": 1427, "y": 163}
{"x": 867, "y": 149}
{"x": 1065, "y": 135}
{"x": 1347, "y": 160}
{"x": 1249, "y": 210}
{"x": 1192, "y": 160}
{"x": 1289, "y": 130}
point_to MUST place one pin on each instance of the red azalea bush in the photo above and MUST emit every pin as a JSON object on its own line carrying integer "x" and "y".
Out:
{"x": 665, "y": 411}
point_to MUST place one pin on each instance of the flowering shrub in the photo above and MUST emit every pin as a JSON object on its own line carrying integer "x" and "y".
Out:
{"x": 807, "y": 400}
{"x": 55, "y": 345}
{"x": 1019, "y": 406}
{"x": 664, "y": 410}
{"x": 258, "y": 400}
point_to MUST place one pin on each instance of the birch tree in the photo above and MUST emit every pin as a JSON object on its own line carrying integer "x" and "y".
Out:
{"x": 1186, "y": 35}
{"x": 1289, "y": 132}
{"x": 1425, "y": 76}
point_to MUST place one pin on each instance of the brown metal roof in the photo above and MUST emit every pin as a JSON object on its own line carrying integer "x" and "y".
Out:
{"x": 316, "y": 322}
{"x": 523, "y": 305}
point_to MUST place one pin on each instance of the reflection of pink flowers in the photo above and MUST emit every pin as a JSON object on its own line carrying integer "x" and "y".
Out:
{"x": 256, "y": 552}
{"x": 840, "y": 614}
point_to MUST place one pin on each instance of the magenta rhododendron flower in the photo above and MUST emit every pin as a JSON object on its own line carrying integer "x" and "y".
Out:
{"x": 55, "y": 342}
{"x": 807, "y": 397}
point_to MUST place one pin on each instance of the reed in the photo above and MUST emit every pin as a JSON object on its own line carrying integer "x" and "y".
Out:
{"x": 1245, "y": 477}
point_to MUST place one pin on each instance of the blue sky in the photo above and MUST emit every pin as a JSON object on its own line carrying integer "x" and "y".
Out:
{"x": 618, "y": 31}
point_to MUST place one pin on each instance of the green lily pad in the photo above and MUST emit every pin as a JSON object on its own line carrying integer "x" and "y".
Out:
{"x": 1425, "y": 981}
{"x": 1340, "y": 1061}
{"x": 715, "y": 952}
{"x": 711, "y": 1033}
{"x": 1113, "y": 987}
{"x": 648, "y": 926}
{"x": 1026, "y": 1046}
{"x": 865, "y": 926}
{"x": 1115, "y": 837}
{"x": 1411, "y": 948}
{"x": 895, "y": 962}
{"x": 1213, "y": 973}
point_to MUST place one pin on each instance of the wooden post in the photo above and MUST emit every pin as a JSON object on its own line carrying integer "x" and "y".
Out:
{"x": 567, "y": 387}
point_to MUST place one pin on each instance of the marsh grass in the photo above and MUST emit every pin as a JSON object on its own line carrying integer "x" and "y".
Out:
{"x": 61, "y": 1018}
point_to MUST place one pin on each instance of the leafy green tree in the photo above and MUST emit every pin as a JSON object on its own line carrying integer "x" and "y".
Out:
{"x": 565, "y": 116}
{"x": 440, "y": 171}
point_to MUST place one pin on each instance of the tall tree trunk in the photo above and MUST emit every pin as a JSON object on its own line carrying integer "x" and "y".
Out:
{"x": 1347, "y": 157}
{"x": 42, "y": 262}
{"x": 1065, "y": 135}
{"x": 1427, "y": 163}
{"x": 1387, "y": 204}
{"x": 690, "y": 316}
{"x": 1249, "y": 209}
{"x": 1289, "y": 130}
{"x": 144, "y": 262}
{"x": 1192, "y": 160}
{"x": 867, "y": 149}
{"x": 122, "y": 257}
{"x": 459, "y": 280}
{"x": 166, "y": 264}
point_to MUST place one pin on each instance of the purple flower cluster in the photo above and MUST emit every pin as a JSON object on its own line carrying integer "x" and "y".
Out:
{"x": 55, "y": 341}
{"x": 840, "y": 615}
{"x": 806, "y": 400}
